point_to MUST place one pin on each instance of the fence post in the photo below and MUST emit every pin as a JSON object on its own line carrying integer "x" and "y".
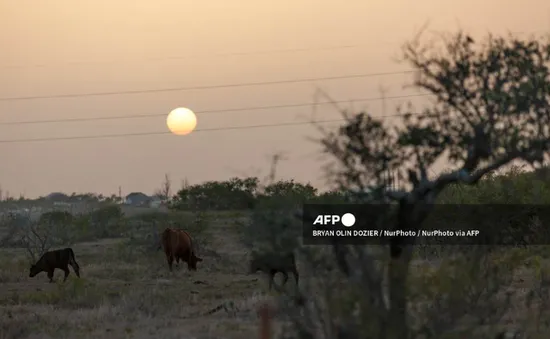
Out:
{"x": 265, "y": 321}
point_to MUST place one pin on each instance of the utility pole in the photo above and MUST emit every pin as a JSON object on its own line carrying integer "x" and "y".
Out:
{"x": 383, "y": 90}
{"x": 388, "y": 177}
{"x": 120, "y": 193}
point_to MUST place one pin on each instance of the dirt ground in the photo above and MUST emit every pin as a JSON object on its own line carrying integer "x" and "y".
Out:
{"x": 123, "y": 293}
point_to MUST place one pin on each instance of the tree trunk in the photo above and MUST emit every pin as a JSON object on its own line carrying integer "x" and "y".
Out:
{"x": 398, "y": 273}
{"x": 401, "y": 250}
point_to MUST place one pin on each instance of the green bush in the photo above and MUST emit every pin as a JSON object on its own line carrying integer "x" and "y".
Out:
{"x": 515, "y": 186}
{"x": 239, "y": 194}
{"x": 273, "y": 226}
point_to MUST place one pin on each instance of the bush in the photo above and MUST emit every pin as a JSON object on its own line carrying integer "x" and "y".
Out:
{"x": 239, "y": 194}
{"x": 107, "y": 222}
{"x": 273, "y": 226}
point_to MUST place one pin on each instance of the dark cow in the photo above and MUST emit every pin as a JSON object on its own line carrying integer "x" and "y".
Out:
{"x": 178, "y": 245}
{"x": 271, "y": 263}
{"x": 51, "y": 260}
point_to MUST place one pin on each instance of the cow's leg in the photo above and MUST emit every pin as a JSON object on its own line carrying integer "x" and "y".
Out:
{"x": 285, "y": 277}
{"x": 170, "y": 259}
{"x": 50, "y": 275}
{"x": 271, "y": 278}
{"x": 76, "y": 268}
{"x": 296, "y": 275}
{"x": 66, "y": 270}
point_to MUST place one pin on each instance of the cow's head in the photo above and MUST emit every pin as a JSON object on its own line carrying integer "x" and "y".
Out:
{"x": 34, "y": 270}
{"x": 193, "y": 262}
{"x": 258, "y": 262}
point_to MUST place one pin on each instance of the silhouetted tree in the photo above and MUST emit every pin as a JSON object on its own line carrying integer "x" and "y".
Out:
{"x": 491, "y": 107}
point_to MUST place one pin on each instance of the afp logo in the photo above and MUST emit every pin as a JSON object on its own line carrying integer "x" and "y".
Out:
{"x": 346, "y": 219}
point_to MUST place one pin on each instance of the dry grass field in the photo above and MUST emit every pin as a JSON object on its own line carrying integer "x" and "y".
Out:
{"x": 124, "y": 293}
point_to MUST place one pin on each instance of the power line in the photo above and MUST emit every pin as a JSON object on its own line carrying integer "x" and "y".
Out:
{"x": 214, "y": 55}
{"x": 207, "y": 87}
{"x": 180, "y": 57}
{"x": 165, "y": 132}
{"x": 194, "y": 88}
{"x": 214, "y": 111}
{"x": 215, "y": 129}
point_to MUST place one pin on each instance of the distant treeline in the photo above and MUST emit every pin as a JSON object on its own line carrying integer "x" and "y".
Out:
{"x": 247, "y": 193}
{"x": 516, "y": 186}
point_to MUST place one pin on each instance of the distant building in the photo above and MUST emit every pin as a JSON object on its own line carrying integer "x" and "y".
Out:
{"x": 57, "y": 197}
{"x": 155, "y": 202}
{"x": 137, "y": 199}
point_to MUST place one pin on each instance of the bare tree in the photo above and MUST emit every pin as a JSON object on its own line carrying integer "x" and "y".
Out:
{"x": 276, "y": 158}
{"x": 184, "y": 184}
{"x": 165, "y": 191}
{"x": 12, "y": 224}
{"x": 36, "y": 240}
{"x": 491, "y": 107}
{"x": 22, "y": 230}
{"x": 39, "y": 236}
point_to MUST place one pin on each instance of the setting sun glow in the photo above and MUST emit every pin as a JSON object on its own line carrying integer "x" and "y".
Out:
{"x": 181, "y": 121}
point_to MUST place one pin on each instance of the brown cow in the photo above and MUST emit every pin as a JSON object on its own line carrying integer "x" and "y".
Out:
{"x": 178, "y": 245}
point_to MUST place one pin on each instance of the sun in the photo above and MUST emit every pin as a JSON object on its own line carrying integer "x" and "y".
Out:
{"x": 181, "y": 121}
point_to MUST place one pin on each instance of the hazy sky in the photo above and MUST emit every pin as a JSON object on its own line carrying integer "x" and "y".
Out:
{"x": 74, "y": 46}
